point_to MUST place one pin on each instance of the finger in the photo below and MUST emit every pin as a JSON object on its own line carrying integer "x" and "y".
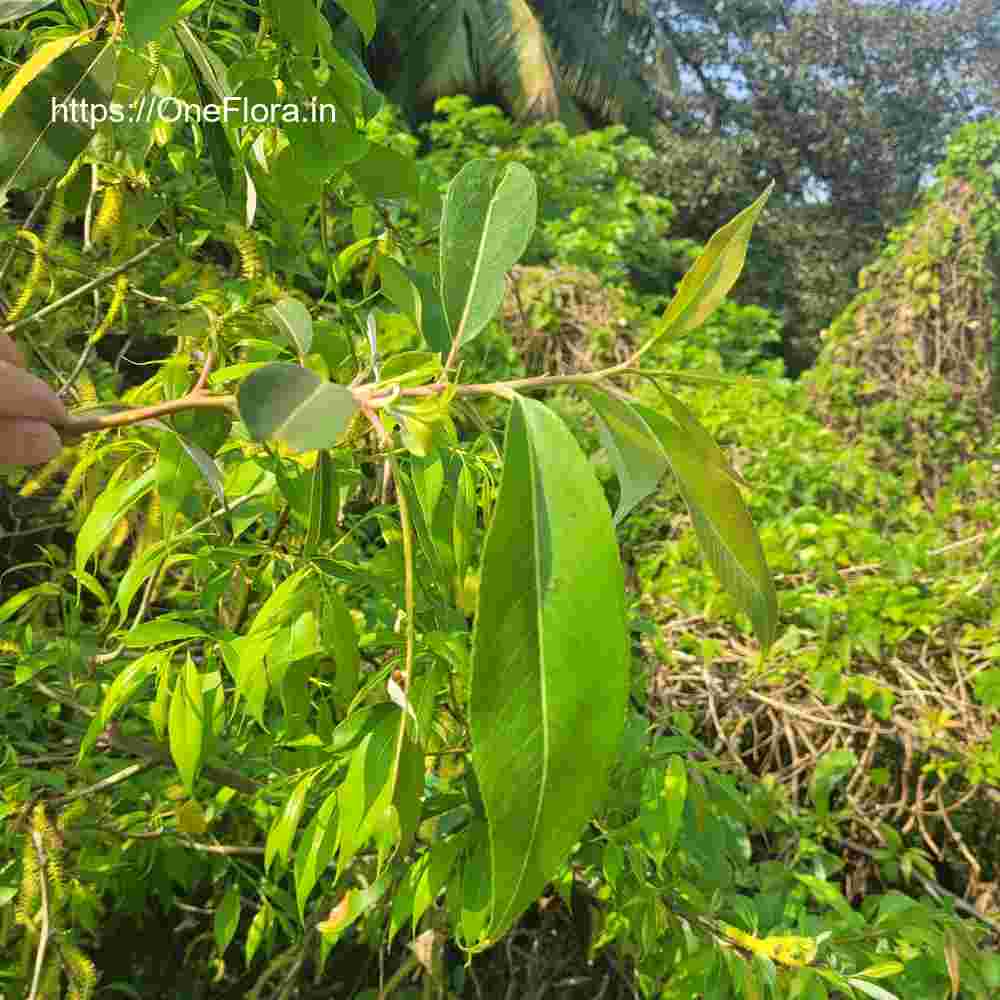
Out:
{"x": 27, "y": 442}
{"x": 24, "y": 395}
{"x": 9, "y": 351}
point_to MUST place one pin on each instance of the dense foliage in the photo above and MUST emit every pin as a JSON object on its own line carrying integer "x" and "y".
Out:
{"x": 331, "y": 545}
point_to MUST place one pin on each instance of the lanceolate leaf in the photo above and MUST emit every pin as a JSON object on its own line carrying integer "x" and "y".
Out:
{"x": 550, "y": 659}
{"x": 110, "y": 507}
{"x": 315, "y": 850}
{"x": 296, "y": 406}
{"x": 636, "y": 455}
{"x": 713, "y": 274}
{"x": 37, "y": 144}
{"x": 43, "y": 57}
{"x": 487, "y": 221}
{"x": 187, "y": 724}
{"x": 721, "y": 520}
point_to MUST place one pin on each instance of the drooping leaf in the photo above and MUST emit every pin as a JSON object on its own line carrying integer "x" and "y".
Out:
{"x": 227, "y": 918}
{"x": 282, "y": 832}
{"x": 362, "y": 13}
{"x": 464, "y": 523}
{"x": 323, "y": 502}
{"x": 486, "y": 224}
{"x": 340, "y": 638}
{"x": 295, "y": 405}
{"x": 107, "y": 511}
{"x": 712, "y": 275}
{"x": 40, "y": 59}
{"x": 315, "y": 851}
{"x": 187, "y": 724}
{"x": 36, "y": 142}
{"x": 721, "y": 521}
{"x": 414, "y": 293}
{"x": 292, "y": 318}
{"x": 637, "y": 457}
{"x": 550, "y": 658}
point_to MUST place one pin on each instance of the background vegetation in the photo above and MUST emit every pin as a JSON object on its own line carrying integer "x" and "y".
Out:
{"x": 817, "y": 822}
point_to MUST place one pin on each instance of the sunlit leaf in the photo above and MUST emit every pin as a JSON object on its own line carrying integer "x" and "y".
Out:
{"x": 550, "y": 658}
{"x": 486, "y": 224}
{"x": 295, "y": 405}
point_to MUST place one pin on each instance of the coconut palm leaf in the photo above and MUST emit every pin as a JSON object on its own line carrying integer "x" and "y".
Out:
{"x": 539, "y": 59}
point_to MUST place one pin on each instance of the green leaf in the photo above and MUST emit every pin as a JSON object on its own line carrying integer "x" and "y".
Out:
{"x": 362, "y": 13}
{"x": 129, "y": 681}
{"x": 187, "y": 724}
{"x": 292, "y": 318}
{"x": 413, "y": 292}
{"x": 179, "y": 464}
{"x": 340, "y": 639}
{"x": 635, "y": 453}
{"x": 244, "y": 659}
{"x": 296, "y": 21}
{"x": 209, "y": 75}
{"x": 443, "y": 855}
{"x": 15, "y": 10}
{"x": 675, "y": 783}
{"x": 323, "y": 503}
{"x": 870, "y": 989}
{"x": 486, "y": 224}
{"x": 721, "y": 521}
{"x": 160, "y": 709}
{"x": 35, "y": 145}
{"x": 882, "y": 970}
{"x": 162, "y": 630}
{"x": 146, "y": 21}
{"x": 830, "y": 770}
{"x": 259, "y": 930}
{"x": 370, "y": 803}
{"x": 282, "y": 832}
{"x": 464, "y": 523}
{"x": 295, "y": 405}
{"x": 315, "y": 851}
{"x": 227, "y": 918}
{"x": 713, "y": 274}
{"x": 384, "y": 173}
{"x": 107, "y": 511}
{"x": 550, "y": 661}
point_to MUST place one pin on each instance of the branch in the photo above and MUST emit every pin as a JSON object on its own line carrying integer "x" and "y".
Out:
{"x": 101, "y": 279}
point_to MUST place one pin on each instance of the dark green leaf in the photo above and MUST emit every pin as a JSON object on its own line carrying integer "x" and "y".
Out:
{"x": 146, "y": 21}
{"x": 296, "y": 406}
{"x": 486, "y": 224}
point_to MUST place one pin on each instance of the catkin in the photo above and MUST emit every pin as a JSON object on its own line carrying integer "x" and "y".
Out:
{"x": 108, "y": 224}
{"x": 114, "y": 308}
{"x": 251, "y": 261}
{"x": 35, "y": 275}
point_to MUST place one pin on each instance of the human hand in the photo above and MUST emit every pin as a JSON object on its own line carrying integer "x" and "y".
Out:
{"x": 28, "y": 409}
